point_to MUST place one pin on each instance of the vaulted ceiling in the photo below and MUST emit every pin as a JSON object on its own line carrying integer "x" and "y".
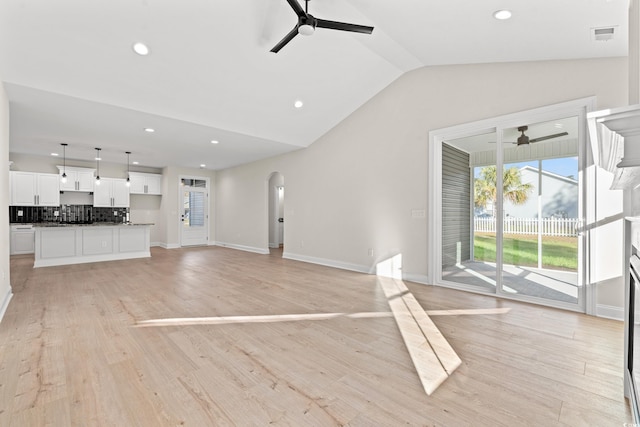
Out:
{"x": 72, "y": 77}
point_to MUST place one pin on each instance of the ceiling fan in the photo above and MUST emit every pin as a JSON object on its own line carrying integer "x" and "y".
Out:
{"x": 307, "y": 24}
{"x": 525, "y": 140}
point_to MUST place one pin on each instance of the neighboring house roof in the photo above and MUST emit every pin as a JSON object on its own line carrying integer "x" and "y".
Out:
{"x": 550, "y": 174}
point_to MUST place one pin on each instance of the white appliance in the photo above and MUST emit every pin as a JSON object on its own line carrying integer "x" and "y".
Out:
{"x": 22, "y": 240}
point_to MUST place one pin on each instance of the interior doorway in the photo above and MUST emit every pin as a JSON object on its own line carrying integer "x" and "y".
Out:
{"x": 193, "y": 196}
{"x": 276, "y": 211}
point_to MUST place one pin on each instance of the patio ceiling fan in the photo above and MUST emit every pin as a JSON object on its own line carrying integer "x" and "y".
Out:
{"x": 525, "y": 140}
{"x": 307, "y": 24}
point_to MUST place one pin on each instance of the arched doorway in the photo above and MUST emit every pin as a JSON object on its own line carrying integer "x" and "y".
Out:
{"x": 276, "y": 211}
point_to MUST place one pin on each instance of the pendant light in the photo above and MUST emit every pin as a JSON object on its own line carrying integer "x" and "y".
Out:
{"x": 128, "y": 178}
{"x": 98, "y": 165}
{"x": 63, "y": 178}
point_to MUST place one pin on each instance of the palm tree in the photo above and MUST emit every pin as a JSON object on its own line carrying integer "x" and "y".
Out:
{"x": 513, "y": 189}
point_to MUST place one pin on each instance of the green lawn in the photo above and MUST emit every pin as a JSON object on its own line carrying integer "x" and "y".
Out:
{"x": 557, "y": 252}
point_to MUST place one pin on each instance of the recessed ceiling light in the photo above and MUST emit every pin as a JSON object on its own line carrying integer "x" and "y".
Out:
{"x": 150, "y": 130}
{"x": 98, "y": 158}
{"x": 502, "y": 14}
{"x": 141, "y": 49}
{"x": 203, "y": 166}
{"x": 213, "y": 141}
{"x": 135, "y": 163}
{"x": 55, "y": 154}
{"x": 298, "y": 104}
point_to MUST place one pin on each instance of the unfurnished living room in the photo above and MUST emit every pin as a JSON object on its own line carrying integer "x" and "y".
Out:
{"x": 319, "y": 213}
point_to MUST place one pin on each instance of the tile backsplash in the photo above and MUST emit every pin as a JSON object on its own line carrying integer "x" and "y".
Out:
{"x": 66, "y": 213}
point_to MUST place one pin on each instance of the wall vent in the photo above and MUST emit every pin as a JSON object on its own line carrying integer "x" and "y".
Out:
{"x": 603, "y": 33}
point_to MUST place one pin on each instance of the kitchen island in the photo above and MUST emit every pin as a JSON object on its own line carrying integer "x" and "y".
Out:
{"x": 64, "y": 244}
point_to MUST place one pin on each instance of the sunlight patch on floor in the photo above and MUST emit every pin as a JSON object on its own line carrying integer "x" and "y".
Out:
{"x": 432, "y": 355}
{"x": 223, "y": 320}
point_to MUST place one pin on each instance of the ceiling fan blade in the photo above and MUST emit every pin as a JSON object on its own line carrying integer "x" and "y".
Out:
{"x": 297, "y": 8}
{"x": 285, "y": 40}
{"x": 343, "y": 26}
{"x": 544, "y": 138}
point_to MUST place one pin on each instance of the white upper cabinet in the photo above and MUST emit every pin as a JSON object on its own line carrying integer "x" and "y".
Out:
{"x": 48, "y": 189}
{"x": 111, "y": 193}
{"x": 78, "y": 179}
{"x": 120, "y": 193}
{"x": 145, "y": 183}
{"x": 34, "y": 189}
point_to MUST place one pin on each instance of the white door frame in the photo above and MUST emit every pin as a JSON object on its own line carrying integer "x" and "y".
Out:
{"x": 578, "y": 108}
{"x": 180, "y": 207}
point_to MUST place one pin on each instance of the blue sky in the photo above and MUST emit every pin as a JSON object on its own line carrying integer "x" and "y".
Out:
{"x": 567, "y": 166}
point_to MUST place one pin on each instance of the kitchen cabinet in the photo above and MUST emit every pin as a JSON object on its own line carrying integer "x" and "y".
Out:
{"x": 111, "y": 193}
{"x": 145, "y": 183}
{"x": 75, "y": 244}
{"x": 34, "y": 189}
{"x": 22, "y": 239}
{"x": 78, "y": 179}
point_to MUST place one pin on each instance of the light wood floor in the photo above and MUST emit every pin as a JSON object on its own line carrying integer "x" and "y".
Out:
{"x": 74, "y": 350}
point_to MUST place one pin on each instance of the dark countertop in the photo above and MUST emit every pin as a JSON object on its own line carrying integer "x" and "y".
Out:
{"x": 95, "y": 224}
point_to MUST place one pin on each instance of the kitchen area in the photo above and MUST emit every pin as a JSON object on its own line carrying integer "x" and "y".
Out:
{"x": 77, "y": 216}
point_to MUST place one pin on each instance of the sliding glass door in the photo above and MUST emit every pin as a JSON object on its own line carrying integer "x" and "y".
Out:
{"x": 511, "y": 212}
{"x": 468, "y": 226}
{"x": 541, "y": 211}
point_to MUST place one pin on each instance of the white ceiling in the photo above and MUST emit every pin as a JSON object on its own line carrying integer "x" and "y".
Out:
{"x": 71, "y": 75}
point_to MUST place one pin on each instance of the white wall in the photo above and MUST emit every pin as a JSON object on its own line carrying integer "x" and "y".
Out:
{"x": 354, "y": 189}
{"x": 5, "y": 277}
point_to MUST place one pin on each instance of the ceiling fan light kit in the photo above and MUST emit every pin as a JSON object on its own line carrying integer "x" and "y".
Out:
{"x": 522, "y": 139}
{"x": 306, "y": 29}
{"x": 307, "y": 25}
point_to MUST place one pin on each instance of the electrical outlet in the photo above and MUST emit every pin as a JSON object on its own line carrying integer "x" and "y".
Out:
{"x": 19, "y": 213}
{"x": 56, "y": 213}
{"x": 115, "y": 213}
{"x": 370, "y": 252}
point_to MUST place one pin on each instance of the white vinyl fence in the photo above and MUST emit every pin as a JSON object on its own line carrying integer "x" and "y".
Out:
{"x": 550, "y": 226}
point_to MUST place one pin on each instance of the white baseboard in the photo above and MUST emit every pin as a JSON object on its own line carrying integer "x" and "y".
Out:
{"x": 5, "y": 303}
{"x": 167, "y": 245}
{"x": 157, "y": 244}
{"x": 243, "y": 248}
{"x": 274, "y": 245}
{"x": 417, "y": 278}
{"x": 328, "y": 262}
{"x": 610, "y": 312}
